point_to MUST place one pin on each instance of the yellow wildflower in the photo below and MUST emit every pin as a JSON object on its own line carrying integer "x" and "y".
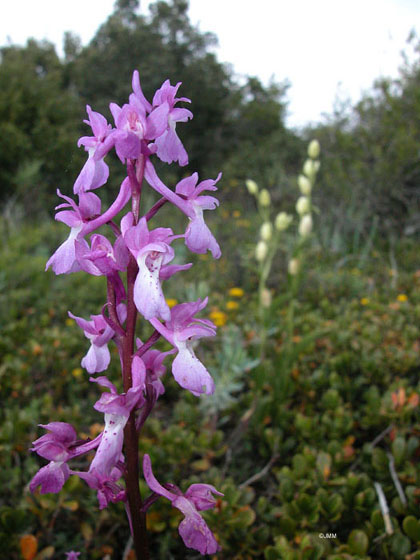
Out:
{"x": 219, "y": 318}
{"x": 364, "y": 301}
{"x": 95, "y": 429}
{"x": 77, "y": 372}
{"x": 402, "y": 297}
{"x": 236, "y": 292}
{"x": 231, "y": 305}
{"x": 236, "y": 213}
{"x": 171, "y": 302}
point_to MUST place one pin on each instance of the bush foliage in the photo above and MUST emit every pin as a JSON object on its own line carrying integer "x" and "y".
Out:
{"x": 327, "y": 425}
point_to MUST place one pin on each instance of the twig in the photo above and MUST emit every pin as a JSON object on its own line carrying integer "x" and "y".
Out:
{"x": 384, "y": 509}
{"x": 395, "y": 479}
{"x": 375, "y": 442}
{"x": 382, "y": 435}
{"x": 260, "y": 474}
{"x": 237, "y": 434}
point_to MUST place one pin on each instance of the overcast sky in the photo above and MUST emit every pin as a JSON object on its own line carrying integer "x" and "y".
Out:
{"x": 324, "y": 48}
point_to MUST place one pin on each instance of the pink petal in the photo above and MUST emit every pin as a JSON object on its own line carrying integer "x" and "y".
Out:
{"x": 199, "y": 239}
{"x": 97, "y": 359}
{"x": 51, "y": 478}
{"x": 151, "y": 481}
{"x": 148, "y": 295}
{"x": 190, "y": 373}
{"x": 170, "y": 148}
{"x": 193, "y": 529}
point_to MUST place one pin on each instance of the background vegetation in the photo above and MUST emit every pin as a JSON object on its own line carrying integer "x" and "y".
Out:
{"x": 297, "y": 436}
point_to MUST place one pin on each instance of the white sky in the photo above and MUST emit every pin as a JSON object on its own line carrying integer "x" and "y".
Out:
{"x": 323, "y": 47}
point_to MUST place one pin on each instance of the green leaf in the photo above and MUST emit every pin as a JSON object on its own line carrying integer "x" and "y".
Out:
{"x": 242, "y": 518}
{"x": 287, "y": 490}
{"x": 271, "y": 553}
{"x": 398, "y": 449}
{"x": 411, "y": 528}
{"x": 287, "y": 527}
{"x": 358, "y": 542}
{"x": 299, "y": 465}
{"x": 400, "y": 546}
{"x": 377, "y": 520}
{"x": 323, "y": 464}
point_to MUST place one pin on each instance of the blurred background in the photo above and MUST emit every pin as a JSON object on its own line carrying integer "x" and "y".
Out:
{"x": 316, "y": 367}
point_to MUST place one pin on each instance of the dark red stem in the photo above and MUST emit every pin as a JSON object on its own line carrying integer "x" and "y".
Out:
{"x": 111, "y": 306}
{"x": 153, "y": 210}
{"x": 135, "y": 504}
{"x": 135, "y": 172}
{"x": 148, "y": 344}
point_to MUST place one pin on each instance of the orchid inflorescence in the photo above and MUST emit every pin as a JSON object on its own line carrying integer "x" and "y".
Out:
{"x": 142, "y": 131}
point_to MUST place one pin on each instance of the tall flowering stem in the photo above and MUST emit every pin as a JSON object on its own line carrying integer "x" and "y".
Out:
{"x": 131, "y": 438}
{"x": 135, "y": 260}
{"x": 270, "y": 240}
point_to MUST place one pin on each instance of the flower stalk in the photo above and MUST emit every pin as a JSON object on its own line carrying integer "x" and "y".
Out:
{"x": 142, "y": 257}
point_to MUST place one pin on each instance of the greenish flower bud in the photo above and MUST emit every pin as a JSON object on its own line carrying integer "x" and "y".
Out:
{"x": 283, "y": 221}
{"x": 261, "y": 251}
{"x": 305, "y": 225}
{"x": 265, "y": 298}
{"x": 293, "y": 267}
{"x": 303, "y": 205}
{"x": 251, "y": 186}
{"x": 305, "y": 185}
{"x": 309, "y": 168}
{"x": 266, "y": 231}
{"x": 264, "y": 198}
{"x": 314, "y": 149}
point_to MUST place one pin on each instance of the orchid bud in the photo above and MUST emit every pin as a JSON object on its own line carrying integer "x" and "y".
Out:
{"x": 309, "y": 168}
{"x": 266, "y": 231}
{"x": 305, "y": 225}
{"x": 305, "y": 185}
{"x": 251, "y": 186}
{"x": 264, "y": 198}
{"x": 303, "y": 205}
{"x": 293, "y": 267}
{"x": 314, "y": 149}
{"x": 283, "y": 221}
{"x": 261, "y": 251}
{"x": 265, "y": 298}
